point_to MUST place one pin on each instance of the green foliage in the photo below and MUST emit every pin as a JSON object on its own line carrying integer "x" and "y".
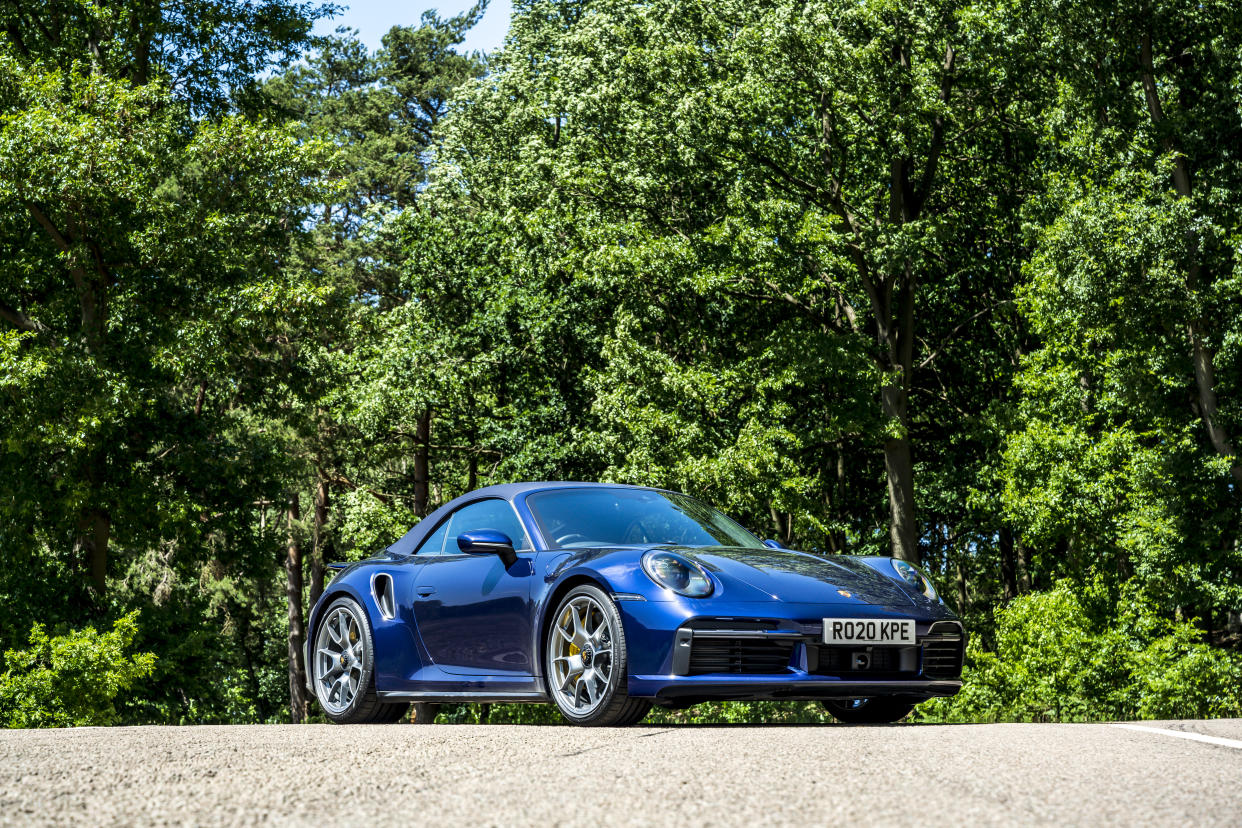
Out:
{"x": 743, "y": 713}
{"x": 72, "y": 679}
{"x": 221, "y": 637}
{"x": 1066, "y": 655}
{"x": 705, "y": 713}
{"x": 145, "y": 314}
{"x": 1123, "y": 458}
{"x": 208, "y": 51}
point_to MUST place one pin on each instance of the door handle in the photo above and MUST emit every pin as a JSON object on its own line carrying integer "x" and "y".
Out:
{"x": 424, "y": 591}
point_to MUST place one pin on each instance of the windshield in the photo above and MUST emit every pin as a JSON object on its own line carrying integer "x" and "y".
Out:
{"x": 632, "y": 517}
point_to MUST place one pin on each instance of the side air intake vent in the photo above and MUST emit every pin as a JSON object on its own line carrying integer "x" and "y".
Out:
{"x": 381, "y": 590}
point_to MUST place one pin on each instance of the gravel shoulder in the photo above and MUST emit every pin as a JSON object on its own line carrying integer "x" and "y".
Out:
{"x": 689, "y": 775}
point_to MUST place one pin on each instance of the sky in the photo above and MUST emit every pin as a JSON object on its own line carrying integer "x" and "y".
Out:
{"x": 373, "y": 18}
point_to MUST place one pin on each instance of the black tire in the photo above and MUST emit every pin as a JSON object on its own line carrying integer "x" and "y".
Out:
{"x": 614, "y": 707}
{"x": 364, "y": 707}
{"x": 878, "y": 710}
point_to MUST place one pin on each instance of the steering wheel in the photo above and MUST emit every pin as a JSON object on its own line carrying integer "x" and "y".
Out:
{"x": 570, "y": 538}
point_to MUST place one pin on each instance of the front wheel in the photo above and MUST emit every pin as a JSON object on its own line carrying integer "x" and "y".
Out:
{"x": 343, "y": 668}
{"x": 878, "y": 710}
{"x": 586, "y": 662}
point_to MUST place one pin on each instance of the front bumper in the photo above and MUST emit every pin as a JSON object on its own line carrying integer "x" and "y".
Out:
{"x": 689, "y": 659}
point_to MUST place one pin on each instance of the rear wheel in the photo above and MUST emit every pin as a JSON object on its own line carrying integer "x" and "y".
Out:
{"x": 343, "y": 668}
{"x": 586, "y": 662}
{"x": 877, "y": 710}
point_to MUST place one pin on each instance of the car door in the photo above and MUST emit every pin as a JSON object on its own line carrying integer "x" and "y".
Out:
{"x": 474, "y": 615}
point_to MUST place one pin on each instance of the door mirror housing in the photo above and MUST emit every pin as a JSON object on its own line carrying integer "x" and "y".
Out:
{"x": 488, "y": 542}
{"x": 774, "y": 544}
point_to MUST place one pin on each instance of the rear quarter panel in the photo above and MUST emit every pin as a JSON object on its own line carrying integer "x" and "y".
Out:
{"x": 397, "y": 651}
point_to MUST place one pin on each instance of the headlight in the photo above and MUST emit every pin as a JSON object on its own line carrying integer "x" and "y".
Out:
{"x": 912, "y": 576}
{"x": 678, "y": 574}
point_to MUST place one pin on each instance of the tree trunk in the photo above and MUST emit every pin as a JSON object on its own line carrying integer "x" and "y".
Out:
{"x": 1023, "y": 559}
{"x": 782, "y": 525}
{"x": 322, "y": 549}
{"x": 830, "y": 509}
{"x": 834, "y": 547}
{"x": 963, "y": 596}
{"x": 1008, "y": 565}
{"x": 424, "y": 713}
{"x": 91, "y": 545}
{"x": 1205, "y": 385}
{"x": 1201, "y": 354}
{"x": 837, "y": 539}
{"x": 422, "y": 439}
{"x": 900, "y": 472}
{"x": 898, "y": 337}
{"x": 293, "y": 592}
{"x": 141, "y": 33}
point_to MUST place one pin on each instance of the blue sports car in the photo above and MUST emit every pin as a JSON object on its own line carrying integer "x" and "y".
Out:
{"x": 606, "y": 599}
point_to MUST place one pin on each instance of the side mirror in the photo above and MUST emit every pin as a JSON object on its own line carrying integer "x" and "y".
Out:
{"x": 488, "y": 542}
{"x": 774, "y": 544}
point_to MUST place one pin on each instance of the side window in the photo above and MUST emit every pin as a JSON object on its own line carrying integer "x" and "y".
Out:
{"x": 486, "y": 514}
{"x": 434, "y": 544}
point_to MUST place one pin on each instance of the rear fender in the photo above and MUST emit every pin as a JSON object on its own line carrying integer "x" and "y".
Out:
{"x": 397, "y": 654}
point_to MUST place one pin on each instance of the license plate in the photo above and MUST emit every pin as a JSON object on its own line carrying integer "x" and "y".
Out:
{"x": 868, "y": 631}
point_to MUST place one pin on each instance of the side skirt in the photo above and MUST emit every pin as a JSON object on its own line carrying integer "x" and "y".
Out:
{"x": 483, "y": 697}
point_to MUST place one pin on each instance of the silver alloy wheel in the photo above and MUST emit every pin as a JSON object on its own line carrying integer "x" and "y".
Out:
{"x": 580, "y": 655}
{"x": 340, "y": 659}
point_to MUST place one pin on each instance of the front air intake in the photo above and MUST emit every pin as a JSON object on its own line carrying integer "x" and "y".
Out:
{"x": 943, "y": 649}
{"x": 740, "y": 656}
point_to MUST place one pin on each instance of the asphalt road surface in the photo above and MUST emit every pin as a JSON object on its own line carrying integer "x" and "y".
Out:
{"x": 394, "y": 775}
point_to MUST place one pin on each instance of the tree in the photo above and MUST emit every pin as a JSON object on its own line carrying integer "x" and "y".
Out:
{"x": 379, "y": 111}
{"x": 135, "y": 247}
{"x": 142, "y": 299}
{"x": 207, "y": 52}
{"x": 1126, "y": 463}
{"x": 830, "y": 158}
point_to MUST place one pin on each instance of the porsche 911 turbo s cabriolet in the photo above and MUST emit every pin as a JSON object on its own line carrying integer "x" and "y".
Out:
{"x": 606, "y": 599}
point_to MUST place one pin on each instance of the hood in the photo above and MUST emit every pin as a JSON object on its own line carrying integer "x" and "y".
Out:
{"x": 798, "y": 577}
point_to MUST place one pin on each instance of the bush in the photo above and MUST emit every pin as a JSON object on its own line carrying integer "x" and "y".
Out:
{"x": 729, "y": 712}
{"x": 70, "y": 680}
{"x": 1067, "y": 655}
{"x": 763, "y": 712}
{"x": 1179, "y": 677}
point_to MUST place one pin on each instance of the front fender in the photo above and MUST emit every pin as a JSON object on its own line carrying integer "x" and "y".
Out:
{"x": 617, "y": 572}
